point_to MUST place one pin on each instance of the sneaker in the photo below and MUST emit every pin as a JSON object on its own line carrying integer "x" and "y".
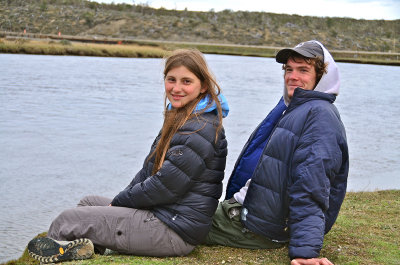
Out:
{"x": 47, "y": 250}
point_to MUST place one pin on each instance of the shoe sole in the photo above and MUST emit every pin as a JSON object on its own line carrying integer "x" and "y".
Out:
{"x": 55, "y": 252}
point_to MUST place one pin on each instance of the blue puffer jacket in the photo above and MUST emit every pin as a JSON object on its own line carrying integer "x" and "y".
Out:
{"x": 298, "y": 163}
{"x": 300, "y": 180}
{"x": 184, "y": 193}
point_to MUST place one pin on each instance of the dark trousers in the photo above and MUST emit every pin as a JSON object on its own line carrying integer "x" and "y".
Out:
{"x": 227, "y": 230}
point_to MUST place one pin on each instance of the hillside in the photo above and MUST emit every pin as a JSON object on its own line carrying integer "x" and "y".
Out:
{"x": 84, "y": 18}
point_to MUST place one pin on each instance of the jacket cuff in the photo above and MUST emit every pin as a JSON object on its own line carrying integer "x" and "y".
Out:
{"x": 306, "y": 252}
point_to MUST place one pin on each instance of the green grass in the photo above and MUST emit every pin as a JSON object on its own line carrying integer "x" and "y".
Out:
{"x": 367, "y": 231}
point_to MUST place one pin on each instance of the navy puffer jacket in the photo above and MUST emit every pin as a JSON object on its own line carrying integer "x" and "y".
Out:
{"x": 300, "y": 180}
{"x": 184, "y": 193}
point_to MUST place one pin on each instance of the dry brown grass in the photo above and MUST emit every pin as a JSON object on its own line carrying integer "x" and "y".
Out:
{"x": 65, "y": 47}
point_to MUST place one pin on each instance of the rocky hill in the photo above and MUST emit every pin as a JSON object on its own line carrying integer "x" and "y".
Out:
{"x": 84, "y": 18}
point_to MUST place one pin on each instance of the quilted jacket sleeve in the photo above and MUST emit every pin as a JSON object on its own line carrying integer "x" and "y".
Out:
{"x": 184, "y": 161}
{"x": 316, "y": 163}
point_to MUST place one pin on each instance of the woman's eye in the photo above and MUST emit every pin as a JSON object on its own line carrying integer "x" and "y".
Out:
{"x": 170, "y": 79}
{"x": 186, "y": 82}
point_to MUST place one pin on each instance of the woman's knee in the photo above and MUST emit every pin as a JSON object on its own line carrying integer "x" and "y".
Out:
{"x": 94, "y": 200}
{"x": 68, "y": 224}
{"x": 56, "y": 227}
{"x": 86, "y": 201}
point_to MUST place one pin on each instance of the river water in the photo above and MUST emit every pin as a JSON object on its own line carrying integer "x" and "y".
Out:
{"x": 73, "y": 126}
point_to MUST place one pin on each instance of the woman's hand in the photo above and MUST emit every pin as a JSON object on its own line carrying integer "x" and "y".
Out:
{"x": 314, "y": 261}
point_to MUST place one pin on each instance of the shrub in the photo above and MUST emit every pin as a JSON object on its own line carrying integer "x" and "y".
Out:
{"x": 21, "y": 41}
{"x": 65, "y": 42}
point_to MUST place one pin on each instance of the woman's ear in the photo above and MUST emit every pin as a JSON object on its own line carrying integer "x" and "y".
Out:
{"x": 203, "y": 89}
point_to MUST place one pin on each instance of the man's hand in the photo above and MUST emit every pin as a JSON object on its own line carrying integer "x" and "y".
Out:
{"x": 314, "y": 261}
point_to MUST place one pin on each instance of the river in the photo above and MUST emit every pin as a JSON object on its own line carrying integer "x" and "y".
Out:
{"x": 73, "y": 126}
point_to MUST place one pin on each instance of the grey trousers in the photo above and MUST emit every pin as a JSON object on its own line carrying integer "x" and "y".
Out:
{"x": 125, "y": 230}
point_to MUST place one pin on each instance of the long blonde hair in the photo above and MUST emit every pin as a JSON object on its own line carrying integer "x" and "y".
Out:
{"x": 174, "y": 119}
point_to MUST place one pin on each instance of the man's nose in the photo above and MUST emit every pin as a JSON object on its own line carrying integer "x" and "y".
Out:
{"x": 293, "y": 75}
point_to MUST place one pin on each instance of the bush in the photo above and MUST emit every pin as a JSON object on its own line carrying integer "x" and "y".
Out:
{"x": 65, "y": 42}
{"x": 89, "y": 18}
{"x": 43, "y": 6}
{"x": 21, "y": 41}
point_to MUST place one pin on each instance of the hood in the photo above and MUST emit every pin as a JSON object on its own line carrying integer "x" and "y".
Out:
{"x": 213, "y": 107}
{"x": 329, "y": 82}
{"x": 204, "y": 102}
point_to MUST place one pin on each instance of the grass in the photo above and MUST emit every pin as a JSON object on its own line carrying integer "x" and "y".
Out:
{"x": 367, "y": 231}
{"x": 66, "y": 47}
{"x": 72, "y": 45}
{"x": 381, "y": 58}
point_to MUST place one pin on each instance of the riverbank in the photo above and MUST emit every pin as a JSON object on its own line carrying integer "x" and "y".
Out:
{"x": 66, "y": 47}
{"x": 12, "y": 42}
{"x": 367, "y": 231}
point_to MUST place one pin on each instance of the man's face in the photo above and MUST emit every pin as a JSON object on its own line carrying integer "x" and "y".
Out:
{"x": 298, "y": 73}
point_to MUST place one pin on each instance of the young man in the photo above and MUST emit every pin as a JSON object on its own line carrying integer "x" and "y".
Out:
{"x": 290, "y": 179}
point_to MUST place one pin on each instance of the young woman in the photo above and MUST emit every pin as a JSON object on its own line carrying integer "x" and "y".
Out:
{"x": 167, "y": 209}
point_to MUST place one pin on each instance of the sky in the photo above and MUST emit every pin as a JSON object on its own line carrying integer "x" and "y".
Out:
{"x": 358, "y": 9}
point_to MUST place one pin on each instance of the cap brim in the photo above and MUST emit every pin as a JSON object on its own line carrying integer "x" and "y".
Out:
{"x": 283, "y": 55}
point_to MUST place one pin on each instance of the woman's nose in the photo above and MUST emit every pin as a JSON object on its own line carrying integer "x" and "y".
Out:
{"x": 178, "y": 86}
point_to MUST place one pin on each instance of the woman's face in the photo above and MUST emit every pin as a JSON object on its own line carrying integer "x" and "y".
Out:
{"x": 182, "y": 86}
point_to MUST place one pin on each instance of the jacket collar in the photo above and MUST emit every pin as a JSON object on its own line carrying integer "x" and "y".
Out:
{"x": 204, "y": 105}
{"x": 301, "y": 96}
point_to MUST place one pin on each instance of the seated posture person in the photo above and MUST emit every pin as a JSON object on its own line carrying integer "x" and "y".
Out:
{"x": 290, "y": 179}
{"x": 167, "y": 208}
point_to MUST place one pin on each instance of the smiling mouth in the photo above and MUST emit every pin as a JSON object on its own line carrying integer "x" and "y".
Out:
{"x": 177, "y": 97}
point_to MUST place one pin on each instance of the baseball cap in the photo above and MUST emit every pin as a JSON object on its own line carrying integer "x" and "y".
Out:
{"x": 309, "y": 49}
